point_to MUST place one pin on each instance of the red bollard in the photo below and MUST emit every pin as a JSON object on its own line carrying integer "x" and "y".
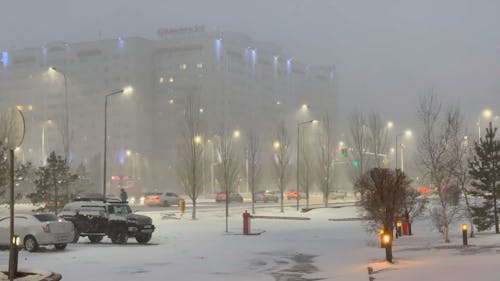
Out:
{"x": 246, "y": 222}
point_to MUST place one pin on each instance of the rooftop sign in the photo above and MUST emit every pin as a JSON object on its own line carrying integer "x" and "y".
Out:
{"x": 166, "y": 32}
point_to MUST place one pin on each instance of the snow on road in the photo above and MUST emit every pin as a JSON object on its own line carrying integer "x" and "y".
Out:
{"x": 316, "y": 249}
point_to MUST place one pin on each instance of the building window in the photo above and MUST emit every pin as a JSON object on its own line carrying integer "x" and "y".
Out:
{"x": 183, "y": 66}
{"x": 199, "y": 65}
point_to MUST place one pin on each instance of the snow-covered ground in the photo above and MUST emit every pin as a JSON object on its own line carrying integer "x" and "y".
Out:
{"x": 316, "y": 249}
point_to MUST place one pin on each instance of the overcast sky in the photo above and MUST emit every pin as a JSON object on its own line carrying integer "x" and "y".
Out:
{"x": 387, "y": 53}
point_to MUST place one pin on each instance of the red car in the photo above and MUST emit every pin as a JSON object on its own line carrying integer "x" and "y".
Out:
{"x": 291, "y": 194}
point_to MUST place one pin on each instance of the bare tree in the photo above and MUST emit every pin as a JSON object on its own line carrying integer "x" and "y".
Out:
{"x": 191, "y": 153}
{"x": 282, "y": 159}
{"x": 306, "y": 167}
{"x": 359, "y": 141}
{"x": 377, "y": 140}
{"x": 254, "y": 167}
{"x": 326, "y": 159}
{"x": 414, "y": 206}
{"x": 436, "y": 157}
{"x": 462, "y": 152}
{"x": 228, "y": 168}
{"x": 383, "y": 193}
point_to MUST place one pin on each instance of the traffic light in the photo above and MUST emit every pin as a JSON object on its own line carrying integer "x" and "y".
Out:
{"x": 343, "y": 153}
{"x": 355, "y": 163}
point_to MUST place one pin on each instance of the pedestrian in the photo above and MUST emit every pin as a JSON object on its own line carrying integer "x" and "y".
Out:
{"x": 123, "y": 195}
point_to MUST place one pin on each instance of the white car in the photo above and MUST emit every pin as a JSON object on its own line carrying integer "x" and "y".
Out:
{"x": 164, "y": 199}
{"x": 37, "y": 229}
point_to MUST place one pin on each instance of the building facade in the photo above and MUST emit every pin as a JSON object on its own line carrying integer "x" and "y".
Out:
{"x": 240, "y": 85}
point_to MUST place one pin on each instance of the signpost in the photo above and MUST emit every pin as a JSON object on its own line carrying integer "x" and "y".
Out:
{"x": 11, "y": 136}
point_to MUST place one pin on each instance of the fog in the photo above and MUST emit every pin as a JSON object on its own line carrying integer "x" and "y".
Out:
{"x": 384, "y": 50}
{"x": 386, "y": 53}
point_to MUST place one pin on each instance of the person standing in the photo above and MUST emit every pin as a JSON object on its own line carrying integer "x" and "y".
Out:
{"x": 123, "y": 195}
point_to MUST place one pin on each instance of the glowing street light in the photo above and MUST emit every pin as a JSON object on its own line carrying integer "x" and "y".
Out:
{"x": 485, "y": 114}
{"x": 236, "y": 134}
{"x": 276, "y": 145}
{"x": 67, "y": 147}
{"x": 298, "y": 154}
{"x": 406, "y": 133}
{"x": 126, "y": 91}
{"x": 197, "y": 139}
{"x": 390, "y": 125}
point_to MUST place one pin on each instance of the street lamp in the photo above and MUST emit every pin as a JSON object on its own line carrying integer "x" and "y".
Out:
{"x": 406, "y": 133}
{"x": 126, "y": 91}
{"x": 486, "y": 114}
{"x": 44, "y": 156}
{"x": 66, "y": 113}
{"x": 298, "y": 154}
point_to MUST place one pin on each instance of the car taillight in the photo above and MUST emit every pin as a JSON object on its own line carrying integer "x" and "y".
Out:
{"x": 46, "y": 228}
{"x": 156, "y": 198}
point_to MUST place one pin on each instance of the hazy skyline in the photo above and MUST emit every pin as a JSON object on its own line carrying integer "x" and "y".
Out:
{"x": 387, "y": 53}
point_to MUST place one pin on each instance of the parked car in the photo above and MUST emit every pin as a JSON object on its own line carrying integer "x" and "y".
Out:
{"x": 266, "y": 196}
{"x": 233, "y": 197}
{"x": 37, "y": 229}
{"x": 161, "y": 199}
{"x": 112, "y": 218}
{"x": 292, "y": 194}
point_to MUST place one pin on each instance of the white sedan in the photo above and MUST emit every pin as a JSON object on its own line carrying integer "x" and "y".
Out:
{"x": 37, "y": 229}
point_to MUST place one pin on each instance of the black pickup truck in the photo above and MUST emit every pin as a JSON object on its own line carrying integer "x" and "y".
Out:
{"x": 112, "y": 218}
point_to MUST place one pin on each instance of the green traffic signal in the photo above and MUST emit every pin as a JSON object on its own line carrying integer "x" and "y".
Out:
{"x": 355, "y": 163}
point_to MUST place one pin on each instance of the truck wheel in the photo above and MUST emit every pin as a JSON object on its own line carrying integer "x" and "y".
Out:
{"x": 76, "y": 237}
{"x": 61, "y": 246}
{"x": 119, "y": 238}
{"x": 95, "y": 238}
{"x": 143, "y": 238}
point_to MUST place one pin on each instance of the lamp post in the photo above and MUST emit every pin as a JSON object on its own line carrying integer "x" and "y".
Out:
{"x": 125, "y": 90}
{"x": 298, "y": 155}
{"x": 44, "y": 157}
{"x": 406, "y": 133}
{"x": 66, "y": 115}
{"x": 486, "y": 114}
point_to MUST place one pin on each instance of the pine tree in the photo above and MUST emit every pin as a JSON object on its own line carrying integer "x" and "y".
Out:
{"x": 52, "y": 183}
{"x": 485, "y": 172}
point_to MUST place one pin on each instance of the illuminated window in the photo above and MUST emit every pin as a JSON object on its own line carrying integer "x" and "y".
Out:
{"x": 199, "y": 65}
{"x": 183, "y": 66}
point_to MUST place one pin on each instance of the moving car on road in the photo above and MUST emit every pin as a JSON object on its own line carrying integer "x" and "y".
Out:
{"x": 233, "y": 197}
{"x": 161, "y": 199}
{"x": 266, "y": 196}
{"x": 292, "y": 194}
{"x": 37, "y": 229}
